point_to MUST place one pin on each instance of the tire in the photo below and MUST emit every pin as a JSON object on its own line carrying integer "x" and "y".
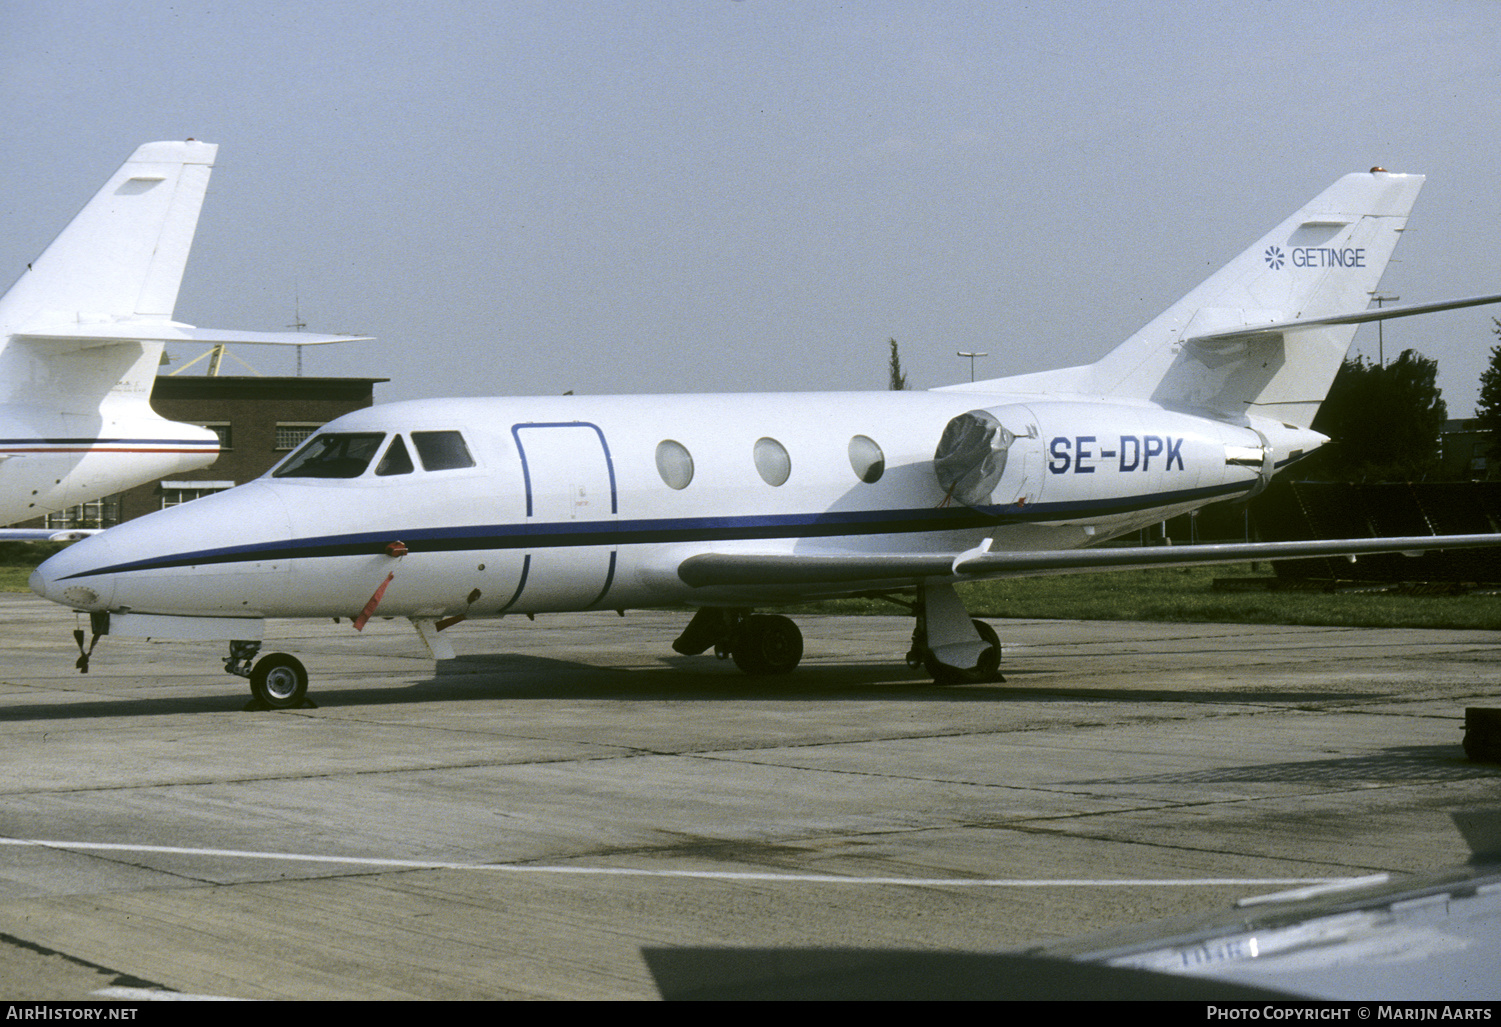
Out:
{"x": 988, "y": 669}
{"x": 279, "y": 681}
{"x": 768, "y": 644}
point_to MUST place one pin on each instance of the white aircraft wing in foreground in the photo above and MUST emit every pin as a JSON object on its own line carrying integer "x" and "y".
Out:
{"x": 1430, "y": 938}
{"x": 444, "y": 510}
{"x": 81, "y": 336}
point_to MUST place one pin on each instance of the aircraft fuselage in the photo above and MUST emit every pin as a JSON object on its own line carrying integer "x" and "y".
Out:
{"x": 571, "y": 503}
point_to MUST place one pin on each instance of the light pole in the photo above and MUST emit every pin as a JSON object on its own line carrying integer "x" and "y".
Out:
{"x": 972, "y": 357}
{"x": 1380, "y": 337}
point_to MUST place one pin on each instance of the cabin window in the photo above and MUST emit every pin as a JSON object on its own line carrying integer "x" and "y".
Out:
{"x": 332, "y": 455}
{"x": 772, "y": 461}
{"x": 867, "y": 460}
{"x": 396, "y": 460}
{"x": 441, "y": 450}
{"x": 674, "y": 464}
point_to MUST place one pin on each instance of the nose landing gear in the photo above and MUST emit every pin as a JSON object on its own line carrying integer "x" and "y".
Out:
{"x": 277, "y": 681}
{"x": 280, "y": 681}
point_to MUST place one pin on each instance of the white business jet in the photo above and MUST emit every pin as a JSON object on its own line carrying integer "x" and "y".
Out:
{"x": 81, "y": 336}
{"x": 444, "y": 510}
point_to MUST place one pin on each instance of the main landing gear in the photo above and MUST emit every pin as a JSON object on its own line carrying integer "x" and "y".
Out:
{"x": 946, "y": 642}
{"x": 278, "y": 681}
{"x": 759, "y": 643}
{"x": 954, "y": 648}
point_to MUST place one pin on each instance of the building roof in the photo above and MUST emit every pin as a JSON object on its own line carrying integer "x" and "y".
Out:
{"x": 200, "y": 386}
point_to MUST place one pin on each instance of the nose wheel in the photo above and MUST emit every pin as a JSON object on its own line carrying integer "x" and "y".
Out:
{"x": 277, "y": 681}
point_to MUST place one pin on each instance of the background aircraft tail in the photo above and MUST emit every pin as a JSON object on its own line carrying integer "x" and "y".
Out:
{"x": 74, "y": 322}
{"x": 123, "y": 255}
{"x": 1260, "y": 335}
{"x": 83, "y": 328}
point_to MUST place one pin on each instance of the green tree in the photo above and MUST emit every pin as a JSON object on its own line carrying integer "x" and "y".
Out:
{"x": 1384, "y": 421}
{"x": 1488, "y": 409}
{"x": 898, "y": 379}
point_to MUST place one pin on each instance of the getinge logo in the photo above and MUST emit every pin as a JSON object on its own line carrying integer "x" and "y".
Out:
{"x": 1315, "y": 256}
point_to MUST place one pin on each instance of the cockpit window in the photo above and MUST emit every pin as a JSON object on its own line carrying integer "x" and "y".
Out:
{"x": 441, "y": 450}
{"x": 396, "y": 460}
{"x": 332, "y": 455}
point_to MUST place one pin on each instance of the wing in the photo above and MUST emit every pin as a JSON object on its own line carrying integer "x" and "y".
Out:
{"x": 46, "y": 534}
{"x": 867, "y": 570}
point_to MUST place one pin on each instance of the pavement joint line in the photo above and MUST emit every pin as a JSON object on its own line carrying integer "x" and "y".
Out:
{"x": 719, "y": 875}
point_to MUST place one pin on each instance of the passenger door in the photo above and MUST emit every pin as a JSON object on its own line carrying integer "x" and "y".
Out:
{"x": 571, "y": 504}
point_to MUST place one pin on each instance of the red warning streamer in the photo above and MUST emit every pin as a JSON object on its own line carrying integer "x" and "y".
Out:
{"x": 365, "y": 614}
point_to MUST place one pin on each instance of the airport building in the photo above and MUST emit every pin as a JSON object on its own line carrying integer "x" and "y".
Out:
{"x": 258, "y": 420}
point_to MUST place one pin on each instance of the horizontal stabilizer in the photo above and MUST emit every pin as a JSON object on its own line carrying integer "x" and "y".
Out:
{"x": 709, "y": 569}
{"x": 1359, "y": 317}
{"x": 171, "y": 332}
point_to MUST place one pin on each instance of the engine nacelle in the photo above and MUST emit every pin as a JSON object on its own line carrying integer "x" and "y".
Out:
{"x": 1112, "y": 465}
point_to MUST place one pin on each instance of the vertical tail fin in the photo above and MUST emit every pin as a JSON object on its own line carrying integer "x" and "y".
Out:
{"x": 82, "y": 330}
{"x": 122, "y": 257}
{"x": 115, "y": 268}
{"x": 1232, "y": 345}
{"x": 1326, "y": 259}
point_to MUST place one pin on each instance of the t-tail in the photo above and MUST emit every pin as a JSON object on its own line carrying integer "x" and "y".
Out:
{"x": 1265, "y": 335}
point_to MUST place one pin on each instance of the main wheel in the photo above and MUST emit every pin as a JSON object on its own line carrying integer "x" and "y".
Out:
{"x": 279, "y": 681}
{"x": 768, "y": 644}
{"x": 988, "y": 669}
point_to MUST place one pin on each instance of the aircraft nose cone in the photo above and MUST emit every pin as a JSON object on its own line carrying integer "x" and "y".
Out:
{"x": 216, "y": 555}
{"x": 65, "y": 578}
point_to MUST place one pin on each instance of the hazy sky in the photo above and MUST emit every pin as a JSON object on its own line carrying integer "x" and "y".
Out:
{"x": 709, "y": 195}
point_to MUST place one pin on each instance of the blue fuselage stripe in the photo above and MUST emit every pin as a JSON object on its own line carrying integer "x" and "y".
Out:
{"x": 665, "y": 531}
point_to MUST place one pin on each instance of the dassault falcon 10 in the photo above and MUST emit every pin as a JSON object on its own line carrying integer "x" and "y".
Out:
{"x": 446, "y": 510}
{"x": 81, "y": 336}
